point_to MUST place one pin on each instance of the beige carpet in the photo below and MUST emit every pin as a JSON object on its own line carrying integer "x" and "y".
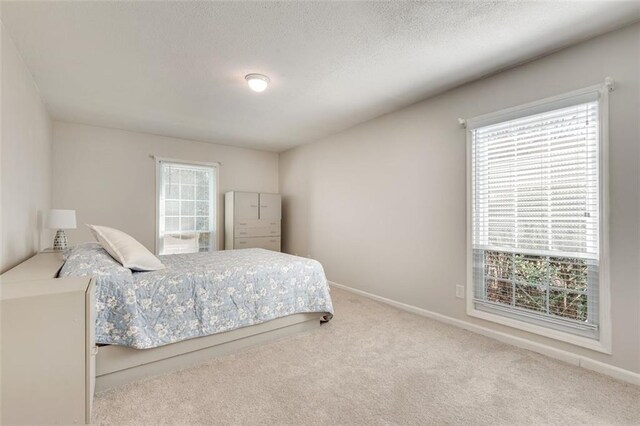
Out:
{"x": 373, "y": 364}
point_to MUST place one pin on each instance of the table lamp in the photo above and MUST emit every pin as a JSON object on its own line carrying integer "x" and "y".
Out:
{"x": 60, "y": 220}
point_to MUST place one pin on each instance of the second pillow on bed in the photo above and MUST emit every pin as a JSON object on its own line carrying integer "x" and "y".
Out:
{"x": 125, "y": 249}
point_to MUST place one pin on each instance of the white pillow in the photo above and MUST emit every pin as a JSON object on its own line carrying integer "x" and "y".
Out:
{"x": 125, "y": 249}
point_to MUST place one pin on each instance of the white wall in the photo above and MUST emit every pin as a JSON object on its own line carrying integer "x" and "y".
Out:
{"x": 382, "y": 205}
{"x": 25, "y": 160}
{"x": 107, "y": 176}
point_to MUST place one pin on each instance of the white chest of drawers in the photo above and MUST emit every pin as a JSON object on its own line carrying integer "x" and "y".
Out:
{"x": 252, "y": 220}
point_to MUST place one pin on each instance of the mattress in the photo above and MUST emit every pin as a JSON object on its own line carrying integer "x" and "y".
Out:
{"x": 197, "y": 294}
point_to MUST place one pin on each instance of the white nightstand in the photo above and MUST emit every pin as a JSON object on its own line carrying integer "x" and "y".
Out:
{"x": 54, "y": 255}
{"x": 51, "y": 250}
{"x": 48, "y": 344}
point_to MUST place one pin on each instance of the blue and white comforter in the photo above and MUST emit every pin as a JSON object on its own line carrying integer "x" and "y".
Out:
{"x": 197, "y": 294}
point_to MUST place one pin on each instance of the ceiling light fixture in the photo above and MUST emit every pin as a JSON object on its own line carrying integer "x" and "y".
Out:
{"x": 257, "y": 82}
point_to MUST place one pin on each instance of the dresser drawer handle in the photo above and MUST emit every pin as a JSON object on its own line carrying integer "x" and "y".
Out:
{"x": 242, "y": 242}
{"x": 242, "y": 223}
{"x": 242, "y": 233}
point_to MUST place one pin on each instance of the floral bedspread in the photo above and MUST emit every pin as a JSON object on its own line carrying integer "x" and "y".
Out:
{"x": 197, "y": 294}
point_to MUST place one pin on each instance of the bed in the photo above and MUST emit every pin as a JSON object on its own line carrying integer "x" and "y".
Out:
{"x": 200, "y": 305}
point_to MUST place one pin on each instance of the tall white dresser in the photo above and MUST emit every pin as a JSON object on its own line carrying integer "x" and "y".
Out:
{"x": 252, "y": 220}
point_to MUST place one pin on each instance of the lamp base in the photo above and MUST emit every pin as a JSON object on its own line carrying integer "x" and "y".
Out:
{"x": 60, "y": 240}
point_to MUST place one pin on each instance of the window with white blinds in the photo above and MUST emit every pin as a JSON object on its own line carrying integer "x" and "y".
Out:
{"x": 186, "y": 207}
{"x": 535, "y": 215}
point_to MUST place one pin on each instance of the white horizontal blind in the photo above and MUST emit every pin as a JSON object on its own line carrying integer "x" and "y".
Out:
{"x": 186, "y": 208}
{"x": 535, "y": 216}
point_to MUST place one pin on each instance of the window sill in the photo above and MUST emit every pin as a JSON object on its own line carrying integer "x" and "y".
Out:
{"x": 603, "y": 345}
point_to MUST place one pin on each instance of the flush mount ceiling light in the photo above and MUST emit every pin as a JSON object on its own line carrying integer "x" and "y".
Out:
{"x": 257, "y": 82}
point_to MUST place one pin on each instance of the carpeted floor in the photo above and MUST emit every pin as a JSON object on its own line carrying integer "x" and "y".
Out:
{"x": 373, "y": 364}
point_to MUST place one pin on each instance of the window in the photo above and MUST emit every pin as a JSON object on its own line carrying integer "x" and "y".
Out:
{"x": 536, "y": 217}
{"x": 186, "y": 207}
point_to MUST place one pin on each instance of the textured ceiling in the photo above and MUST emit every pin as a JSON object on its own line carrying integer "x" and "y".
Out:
{"x": 177, "y": 68}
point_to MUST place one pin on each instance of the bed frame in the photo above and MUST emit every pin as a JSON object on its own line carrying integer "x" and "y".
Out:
{"x": 117, "y": 365}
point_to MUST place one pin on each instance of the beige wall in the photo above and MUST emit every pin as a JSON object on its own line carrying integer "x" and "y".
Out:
{"x": 25, "y": 160}
{"x": 107, "y": 176}
{"x": 382, "y": 205}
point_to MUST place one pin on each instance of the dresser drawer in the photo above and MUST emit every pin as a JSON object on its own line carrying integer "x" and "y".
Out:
{"x": 272, "y": 231}
{"x": 269, "y": 243}
{"x": 248, "y": 223}
{"x": 259, "y": 231}
{"x": 241, "y": 243}
{"x": 258, "y": 223}
{"x": 272, "y": 243}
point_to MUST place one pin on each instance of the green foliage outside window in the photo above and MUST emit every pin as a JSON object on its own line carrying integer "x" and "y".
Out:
{"x": 552, "y": 285}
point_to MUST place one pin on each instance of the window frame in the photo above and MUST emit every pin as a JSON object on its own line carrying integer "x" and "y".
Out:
{"x": 215, "y": 166}
{"x": 603, "y": 343}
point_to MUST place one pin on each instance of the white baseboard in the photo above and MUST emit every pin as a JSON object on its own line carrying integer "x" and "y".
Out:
{"x": 568, "y": 357}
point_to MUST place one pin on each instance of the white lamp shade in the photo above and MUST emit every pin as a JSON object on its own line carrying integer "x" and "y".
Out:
{"x": 61, "y": 219}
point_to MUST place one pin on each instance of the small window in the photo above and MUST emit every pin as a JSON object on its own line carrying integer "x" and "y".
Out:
{"x": 536, "y": 215}
{"x": 186, "y": 207}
